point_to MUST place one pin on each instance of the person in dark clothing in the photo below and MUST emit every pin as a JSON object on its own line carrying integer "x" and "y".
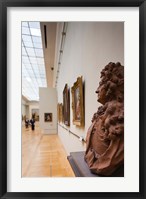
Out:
{"x": 32, "y": 122}
{"x": 26, "y": 123}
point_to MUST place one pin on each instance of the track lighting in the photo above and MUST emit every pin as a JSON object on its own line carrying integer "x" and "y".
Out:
{"x": 61, "y": 48}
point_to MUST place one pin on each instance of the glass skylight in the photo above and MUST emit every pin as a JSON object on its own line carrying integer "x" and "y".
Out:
{"x": 33, "y": 68}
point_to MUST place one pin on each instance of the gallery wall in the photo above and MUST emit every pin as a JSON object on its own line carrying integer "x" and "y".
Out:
{"x": 24, "y": 104}
{"x": 89, "y": 46}
{"x": 48, "y": 104}
{"x": 25, "y": 109}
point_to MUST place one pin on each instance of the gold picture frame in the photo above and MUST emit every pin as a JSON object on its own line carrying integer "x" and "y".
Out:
{"x": 66, "y": 105}
{"x": 60, "y": 112}
{"x": 48, "y": 117}
{"x": 78, "y": 102}
{"x": 35, "y": 114}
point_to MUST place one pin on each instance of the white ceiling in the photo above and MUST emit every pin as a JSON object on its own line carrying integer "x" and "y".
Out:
{"x": 49, "y": 49}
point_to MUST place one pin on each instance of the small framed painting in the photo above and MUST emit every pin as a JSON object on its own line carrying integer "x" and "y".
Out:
{"x": 35, "y": 114}
{"x": 60, "y": 112}
{"x": 48, "y": 117}
{"x": 66, "y": 105}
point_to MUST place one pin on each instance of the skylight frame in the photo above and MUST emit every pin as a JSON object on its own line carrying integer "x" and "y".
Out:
{"x": 33, "y": 64}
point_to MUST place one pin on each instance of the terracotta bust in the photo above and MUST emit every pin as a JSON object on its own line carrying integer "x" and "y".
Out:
{"x": 105, "y": 138}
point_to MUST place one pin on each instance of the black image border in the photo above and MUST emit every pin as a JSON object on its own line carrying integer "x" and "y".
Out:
{"x": 4, "y": 5}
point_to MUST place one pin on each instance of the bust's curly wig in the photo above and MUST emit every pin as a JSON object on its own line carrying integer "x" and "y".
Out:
{"x": 112, "y": 77}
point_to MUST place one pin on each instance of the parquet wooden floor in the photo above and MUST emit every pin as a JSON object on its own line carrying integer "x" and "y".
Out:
{"x": 43, "y": 155}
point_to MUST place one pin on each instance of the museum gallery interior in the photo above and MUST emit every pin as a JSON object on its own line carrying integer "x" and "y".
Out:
{"x": 72, "y": 99}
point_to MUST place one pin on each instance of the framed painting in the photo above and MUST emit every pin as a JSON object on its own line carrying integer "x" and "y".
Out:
{"x": 11, "y": 183}
{"x": 60, "y": 112}
{"x": 35, "y": 114}
{"x": 61, "y": 119}
{"x": 48, "y": 117}
{"x": 78, "y": 102}
{"x": 66, "y": 105}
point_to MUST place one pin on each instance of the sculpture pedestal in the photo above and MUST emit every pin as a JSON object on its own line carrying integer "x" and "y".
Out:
{"x": 81, "y": 169}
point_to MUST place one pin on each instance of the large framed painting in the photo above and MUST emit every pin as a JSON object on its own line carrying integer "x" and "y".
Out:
{"x": 66, "y": 105}
{"x": 78, "y": 102}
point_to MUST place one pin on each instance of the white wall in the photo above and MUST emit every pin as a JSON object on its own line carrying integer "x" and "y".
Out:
{"x": 88, "y": 48}
{"x": 48, "y": 104}
{"x": 23, "y": 107}
{"x": 27, "y": 111}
